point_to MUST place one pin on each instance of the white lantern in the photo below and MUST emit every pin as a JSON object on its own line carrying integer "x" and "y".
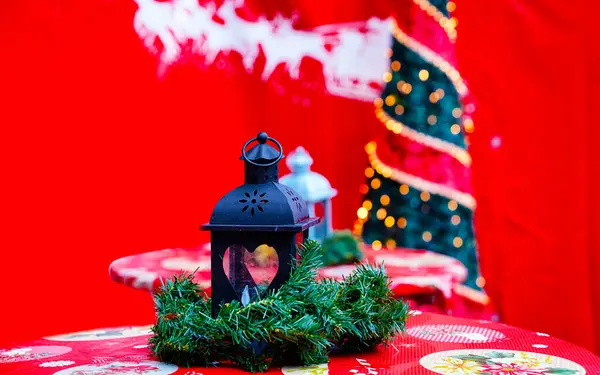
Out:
{"x": 313, "y": 188}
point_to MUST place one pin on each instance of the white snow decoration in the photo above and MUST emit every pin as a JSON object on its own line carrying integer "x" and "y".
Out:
{"x": 353, "y": 60}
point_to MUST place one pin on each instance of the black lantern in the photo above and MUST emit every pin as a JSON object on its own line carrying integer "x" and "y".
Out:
{"x": 261, "y": 214}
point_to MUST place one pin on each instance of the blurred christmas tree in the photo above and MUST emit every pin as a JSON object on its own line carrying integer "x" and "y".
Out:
{"x": 418, "y": 192}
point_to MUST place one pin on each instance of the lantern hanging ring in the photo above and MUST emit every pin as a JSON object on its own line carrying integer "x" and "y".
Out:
{"x": 262, "y": 138}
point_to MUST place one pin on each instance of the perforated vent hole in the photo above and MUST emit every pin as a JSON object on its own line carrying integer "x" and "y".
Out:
{"x": 254, "y": 202}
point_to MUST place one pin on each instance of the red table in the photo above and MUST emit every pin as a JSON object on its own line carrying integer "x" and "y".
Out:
{"x": 415, "y": 275}
{"x": 433, "y": 344}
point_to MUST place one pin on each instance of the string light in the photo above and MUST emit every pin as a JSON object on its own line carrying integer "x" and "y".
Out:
{"x": 389, "y": 222}
{"x": 389, "y": 125}
{"x": 480, "y": 282}
{"x": 399, "y": 109}
{"x": 390, "y": 244}
{"x": 362, "y": 213}
{"x": 457, "y": 242}
{"x": 376, "y": 245}
{"x": 406, "y": 88}
{"x": 472, "y": 294}
{"x": 375, "y": 183}
{"x": 406, "y": 179}
{"x": 367, "y": 205}
{"x": 431, "y": 57}
{"x": 427, "y": 236}
{"x": 455, "y": 129}
{"x": 452, "y": 205}
{"x": 434, "y": 97}
{"x": 457, "y": 112}
{"x": 396, "y": 66}
{"x": 425, "y": 196}
{"x": 455, "y": 219}
{"x": 431, "y": 119}
{"x": 440, "y": 93}
{"x": 401, "y": 223}
{"x": 389, "y": 52}
{"x": 451, "y": 6}
{"x": 400, "y": 85}
{"x": 363, "y": 189}
{"x": 390, "y": 100}
{"x": 385, "y": 200}
{"x": 378, "y": 102}
{"x": 399, "y": 128}
{"x": 381, "y": 213}
{"x": 468, "y": 125}
{"x": 387, "y": 77}
{"x": 386, "y": 172}
{"x": 423, "y": 75}
{"x": 453, "y": 22}
{"x": 369, "y": 172}
{"x": 439, "y": 17}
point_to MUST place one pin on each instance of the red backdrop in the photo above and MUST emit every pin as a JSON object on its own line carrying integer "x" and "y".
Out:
{"x": 100, "y": 159}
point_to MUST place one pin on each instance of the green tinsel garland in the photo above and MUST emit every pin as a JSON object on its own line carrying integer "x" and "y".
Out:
{"x": 300, "y": 324}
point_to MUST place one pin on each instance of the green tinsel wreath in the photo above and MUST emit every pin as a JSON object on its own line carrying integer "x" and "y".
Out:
{"x": 300, "y": 324}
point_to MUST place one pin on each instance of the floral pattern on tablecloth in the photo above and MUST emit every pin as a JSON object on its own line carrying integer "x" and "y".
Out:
{"x": 455, "y": 333}
{"x": 121, "y": 368}
{"x": 31, "y": 353}
{"x": 104, "y": 334}
{"x": 147, "y": 270}
{"x": 321, "y": 369}
{"x": 57, "y": 363}
{"x": 185, "y": 264}
{"x": 498, "y": 362}
{"x": 520, "y": 352}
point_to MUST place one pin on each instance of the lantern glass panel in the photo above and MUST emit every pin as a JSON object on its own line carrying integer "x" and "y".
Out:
{"x": 254, "y": 270}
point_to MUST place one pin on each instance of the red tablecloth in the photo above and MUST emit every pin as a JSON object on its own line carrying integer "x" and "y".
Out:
{"x": 432, "y": 344}
{"x": 411, "y": 272}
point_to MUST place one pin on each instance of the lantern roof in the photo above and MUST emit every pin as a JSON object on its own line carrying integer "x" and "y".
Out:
{"x": 263, "y": 152}
{"x": 262, "y": 203}
{"x": 312, "y": 186}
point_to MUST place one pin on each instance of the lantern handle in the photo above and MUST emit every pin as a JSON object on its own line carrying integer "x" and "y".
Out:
{"x": 262, "y": 138}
